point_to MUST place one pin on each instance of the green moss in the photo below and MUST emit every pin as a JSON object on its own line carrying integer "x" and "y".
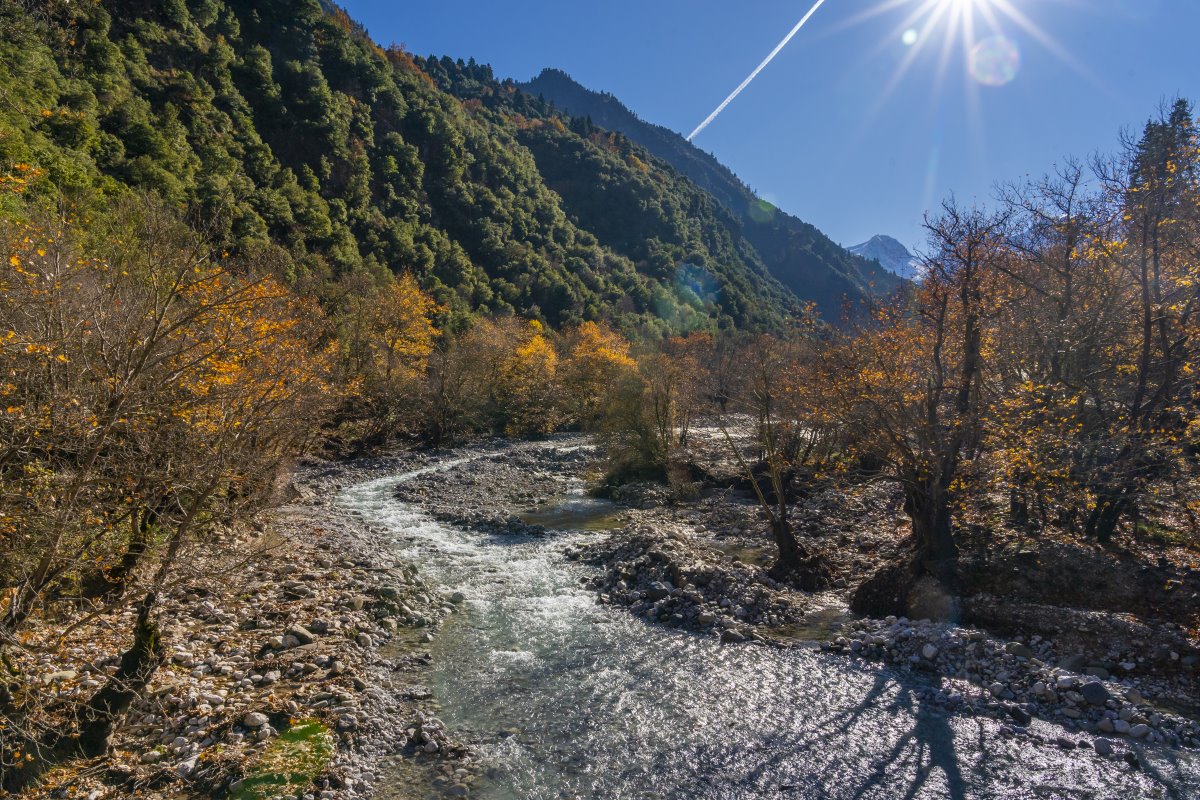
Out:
{"x": 290, "y": 764}
{"x": 1163, "y": 535}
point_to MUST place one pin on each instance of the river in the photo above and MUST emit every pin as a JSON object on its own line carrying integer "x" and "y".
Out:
{"x": 562, "y": 698}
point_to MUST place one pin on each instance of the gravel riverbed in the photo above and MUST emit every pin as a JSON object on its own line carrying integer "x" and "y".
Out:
{"x": 323, "y": 612}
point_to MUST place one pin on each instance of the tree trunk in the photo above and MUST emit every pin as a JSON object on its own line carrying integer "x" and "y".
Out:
{"x": 1018, "y": 508}
{"x": 933, "y": 534}
{"x": 794, "y": 562}
{"x": 94, "y": 722}
{"x": 108, "y": 584}
{"x": 1102, "y": 522}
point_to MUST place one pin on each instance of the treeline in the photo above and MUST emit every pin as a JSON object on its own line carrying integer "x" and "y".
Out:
{"x": 1048, "y": 358}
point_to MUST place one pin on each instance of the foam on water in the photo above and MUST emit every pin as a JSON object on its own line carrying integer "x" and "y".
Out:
{"x": 563, "y": 698}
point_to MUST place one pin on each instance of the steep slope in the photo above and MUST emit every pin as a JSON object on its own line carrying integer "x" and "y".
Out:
{"x": 795, "y": 252}
{"x": 284, "y": 131}
{"x": 635, "y": 204}
{"x": 891, "y": 255}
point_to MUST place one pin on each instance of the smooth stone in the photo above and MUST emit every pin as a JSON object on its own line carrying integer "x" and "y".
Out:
{"x": 1095, "y": 693}
{"x": 302, "y": 634}
{"x": 1019, "y": 650}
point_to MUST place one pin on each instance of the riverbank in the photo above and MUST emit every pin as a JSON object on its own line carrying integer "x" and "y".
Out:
{"x": 296, "y": 649}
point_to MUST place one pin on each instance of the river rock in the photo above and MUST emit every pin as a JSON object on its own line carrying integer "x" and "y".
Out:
{"x": 60, "y": 676}
{"x": 657, "y": 590}
{"x": 1019, "y": 715}
{"x": 254, "y": 719}
{"x": 929, "y": 652}
{"x": 1095, "y": 693}
{"x": 1019, "y": 650}
{"x": 303, "y": 635}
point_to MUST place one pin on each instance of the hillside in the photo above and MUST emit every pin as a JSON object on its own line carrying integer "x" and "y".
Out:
{"x": 291, "y": 136}
{"x": 799, "y": 255}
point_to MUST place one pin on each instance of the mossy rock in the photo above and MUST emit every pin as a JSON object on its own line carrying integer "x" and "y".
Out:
{"x": 291, "y": 763}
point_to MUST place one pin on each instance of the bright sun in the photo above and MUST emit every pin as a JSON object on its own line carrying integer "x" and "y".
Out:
{"x": 977, "y": 31}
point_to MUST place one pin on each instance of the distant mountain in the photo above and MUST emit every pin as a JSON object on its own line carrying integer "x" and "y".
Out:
{"x": 799, "y": 255}
{"x": 891, "y": 255}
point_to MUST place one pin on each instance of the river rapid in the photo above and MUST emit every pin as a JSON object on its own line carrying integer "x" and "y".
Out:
{"x": 560, "y": 697}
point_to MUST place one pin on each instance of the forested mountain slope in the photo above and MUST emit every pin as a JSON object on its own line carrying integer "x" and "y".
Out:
{"x": 282, "y": 129}
{"x": 798, "y": 254}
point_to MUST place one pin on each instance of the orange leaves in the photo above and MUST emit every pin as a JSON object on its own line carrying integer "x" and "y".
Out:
{"x": 251, "y": 349}
{"x": 596, "y": 358}
{"x": 143, "y": 378}
{"x": 402, "y": 322}
{"x": 18, "y": 179}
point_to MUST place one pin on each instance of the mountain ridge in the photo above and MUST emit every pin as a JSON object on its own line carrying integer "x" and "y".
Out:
{"x": 802, "y": 257}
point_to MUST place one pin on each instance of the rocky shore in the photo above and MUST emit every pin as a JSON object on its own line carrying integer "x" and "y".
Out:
{"x": 296, "y": 650}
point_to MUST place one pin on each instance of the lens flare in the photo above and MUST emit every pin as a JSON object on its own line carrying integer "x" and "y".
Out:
{"x": 995, "y": 61}
{"x": 761, "y": 210}
{"x": 909, "y": 37}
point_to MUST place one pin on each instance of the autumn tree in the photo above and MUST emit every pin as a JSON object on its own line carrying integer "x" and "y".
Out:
{"x": 912, "y": 383}
{"x": 1095, "y": 367}
{"x": 1146, "y": 421}
{"x": 388, "y": 335}
{"x": 766, "y": 363}
{"x": 150, "y": 389}
{"x": 596, "y": 360}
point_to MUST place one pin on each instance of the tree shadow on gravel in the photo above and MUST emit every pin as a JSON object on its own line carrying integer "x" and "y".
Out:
{"x": 928, "y": 746}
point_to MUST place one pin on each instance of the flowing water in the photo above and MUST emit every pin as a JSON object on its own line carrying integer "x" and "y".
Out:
{"x": 563, "y": 698}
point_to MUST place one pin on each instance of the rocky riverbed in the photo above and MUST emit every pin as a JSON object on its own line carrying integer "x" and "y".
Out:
{"x": 695, "y": 566}
{"x": 529, "y": 677}
{"x": 312, "y": 639}
{"x": 295, "y": 647}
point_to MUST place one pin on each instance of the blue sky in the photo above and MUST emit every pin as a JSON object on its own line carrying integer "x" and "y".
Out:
{"x": 833, "y": 130}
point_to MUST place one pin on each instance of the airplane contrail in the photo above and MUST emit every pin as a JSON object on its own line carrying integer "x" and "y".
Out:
{"x": 757, "y": 70}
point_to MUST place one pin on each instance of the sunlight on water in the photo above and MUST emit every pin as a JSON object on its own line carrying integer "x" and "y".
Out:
{"x": 563, "y": 698}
